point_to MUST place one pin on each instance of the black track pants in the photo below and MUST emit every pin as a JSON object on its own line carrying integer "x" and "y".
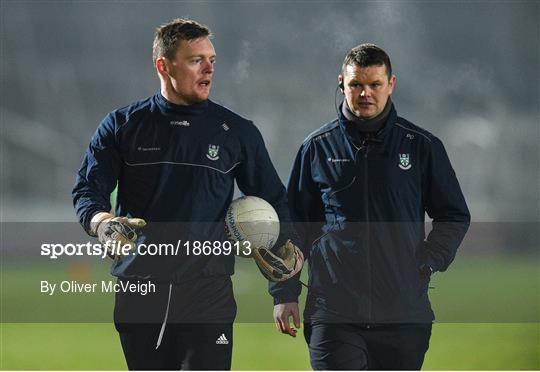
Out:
{"x": 376, "y": 347}
{"x": 196, "y": 321}
{"x": 184, "y": 346}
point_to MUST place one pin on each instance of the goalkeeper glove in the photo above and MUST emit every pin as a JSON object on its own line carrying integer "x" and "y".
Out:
{"x": 120, "y": 230}
{"x": 281, "y": 266}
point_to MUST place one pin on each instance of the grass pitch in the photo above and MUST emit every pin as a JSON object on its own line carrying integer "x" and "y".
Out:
{"x": 488, "y": 311}
{"x": 95, "y": 346}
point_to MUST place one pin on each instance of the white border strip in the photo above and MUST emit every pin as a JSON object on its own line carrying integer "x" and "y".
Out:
{"x": 188, "y": 164}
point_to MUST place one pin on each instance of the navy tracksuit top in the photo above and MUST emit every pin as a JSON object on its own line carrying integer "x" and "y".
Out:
{"x": 175, "y": 167}
{"x": 360, "y": 201}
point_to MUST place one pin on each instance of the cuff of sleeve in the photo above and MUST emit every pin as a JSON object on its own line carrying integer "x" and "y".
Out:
{"x": 283, "y": 300}
{"x": 425, "y": 258}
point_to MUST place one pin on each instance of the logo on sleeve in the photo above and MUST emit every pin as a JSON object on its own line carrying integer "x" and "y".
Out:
{"x": 213, "y": 152}
{"x": 177, "y": 123}
{"x": 140, "y": 148}
{"x": 333, "y": 160}
{"x": 404, "y": 161}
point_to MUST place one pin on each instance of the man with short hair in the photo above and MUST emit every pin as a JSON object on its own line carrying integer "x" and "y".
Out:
{"x": 359, "y": 189}
{"x": 175, "y": 157}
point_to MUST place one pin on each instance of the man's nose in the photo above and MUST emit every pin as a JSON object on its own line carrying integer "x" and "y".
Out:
{"x": 208, "y": 67}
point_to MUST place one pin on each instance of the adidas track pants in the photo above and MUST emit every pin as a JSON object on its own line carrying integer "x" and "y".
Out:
{"x": 180, "y": 326}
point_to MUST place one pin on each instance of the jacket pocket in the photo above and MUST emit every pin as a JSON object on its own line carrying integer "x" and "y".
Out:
{"x": 423, "y": 285}
{"x": 322, "y": 262}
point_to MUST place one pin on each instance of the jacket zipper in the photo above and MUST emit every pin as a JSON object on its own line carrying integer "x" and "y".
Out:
{"x": 365, "y": 147}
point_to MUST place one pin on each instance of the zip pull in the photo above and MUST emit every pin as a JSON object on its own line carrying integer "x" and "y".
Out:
{"x": 365, "y": 146}
{"x": 365, "y": 143}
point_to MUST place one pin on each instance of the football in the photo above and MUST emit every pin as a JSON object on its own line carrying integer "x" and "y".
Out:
{"x": 254, "y": 220}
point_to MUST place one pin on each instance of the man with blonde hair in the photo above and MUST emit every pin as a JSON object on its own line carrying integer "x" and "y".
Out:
{"x": 175, "y": 157}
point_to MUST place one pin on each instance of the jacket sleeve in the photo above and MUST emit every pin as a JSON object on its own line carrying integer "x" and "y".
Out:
{"x": 98, "y": 175}
{"x": 307, "y": 213}
{"x": 305, "y": 201}
{"x": 257, "y": 176}
{"x": 445, "y": 204}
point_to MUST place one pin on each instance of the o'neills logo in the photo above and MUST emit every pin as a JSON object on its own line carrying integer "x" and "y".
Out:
{"x": 182, "y": 123}
{"x": 332, "y": 160}
{"x": 148, "y": 148}
{"x": 233, "y": 229}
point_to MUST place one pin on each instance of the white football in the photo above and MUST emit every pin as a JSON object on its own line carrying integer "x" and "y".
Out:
{"x": 254, "y": 220}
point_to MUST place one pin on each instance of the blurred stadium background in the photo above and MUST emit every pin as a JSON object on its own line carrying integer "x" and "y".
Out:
{"x": 467, "y": 71}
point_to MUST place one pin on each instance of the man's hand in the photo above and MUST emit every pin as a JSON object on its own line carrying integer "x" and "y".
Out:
{"x": 281, "y": 266}
{"x": 282, "y": 314}
{"x": 112, "y": 229}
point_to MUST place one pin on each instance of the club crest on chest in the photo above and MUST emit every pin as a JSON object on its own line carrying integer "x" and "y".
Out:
{"x": 213, "y": 152}
{"x": 404, "y": 161}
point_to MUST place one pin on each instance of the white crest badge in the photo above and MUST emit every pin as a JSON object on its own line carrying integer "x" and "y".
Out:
{"x": 404, "y": 161}
{"x": 213, "y": 152}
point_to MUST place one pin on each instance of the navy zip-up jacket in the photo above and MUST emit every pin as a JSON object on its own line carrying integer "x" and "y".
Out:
{"x": 175, "y": 167}
{"x": 360, "y": 202}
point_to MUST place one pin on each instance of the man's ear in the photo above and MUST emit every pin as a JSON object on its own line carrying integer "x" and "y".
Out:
{"x": 340, "y": 83}
{"x": 161, "y": 66}
{"x": 392, "y": 83}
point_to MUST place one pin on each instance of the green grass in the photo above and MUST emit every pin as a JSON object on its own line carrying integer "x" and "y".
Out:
{"x": 60, "y": 346}
{"x": 487, "y": 308}
{"x": 259, "y": 346}
{"x": 484, "y": 346}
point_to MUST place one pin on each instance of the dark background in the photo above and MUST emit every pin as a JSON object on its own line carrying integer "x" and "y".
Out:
{"x": 467, "y": 71}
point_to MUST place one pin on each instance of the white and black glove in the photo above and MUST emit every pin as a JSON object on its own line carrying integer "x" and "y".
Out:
{"x": 286, "y": 263}
{"x": 115, "y": 231}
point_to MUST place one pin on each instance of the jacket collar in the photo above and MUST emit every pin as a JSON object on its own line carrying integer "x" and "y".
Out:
{"x": 170, "y": 108}
{"x": 378, "y": 140}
